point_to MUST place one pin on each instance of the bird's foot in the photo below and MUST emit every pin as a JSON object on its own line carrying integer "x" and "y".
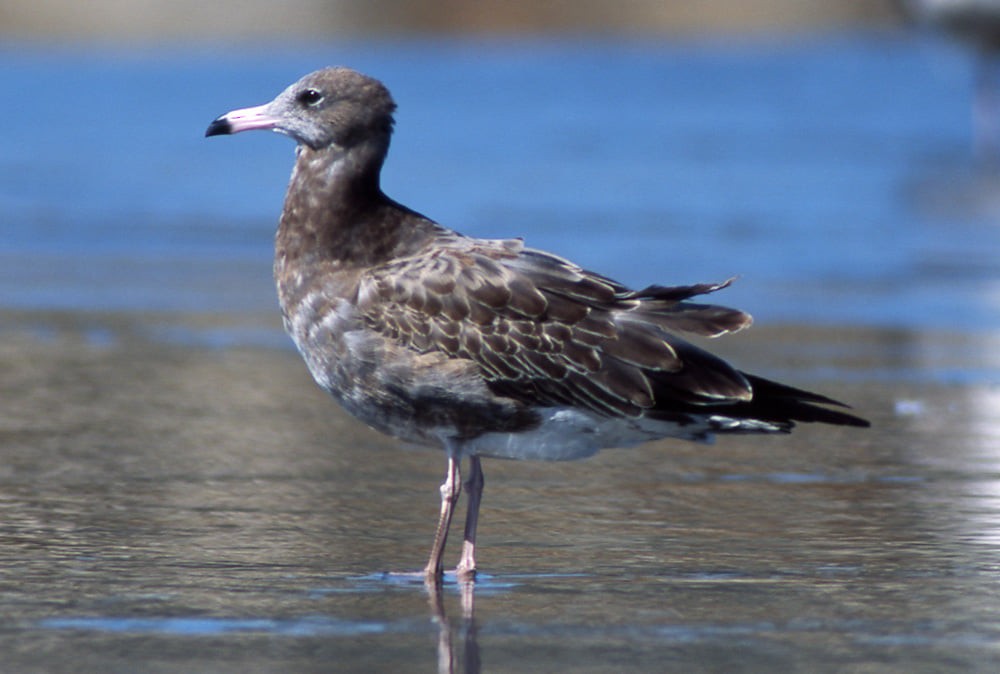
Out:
{"x": 433, "y": 574}
{"x": 465, "y": 574}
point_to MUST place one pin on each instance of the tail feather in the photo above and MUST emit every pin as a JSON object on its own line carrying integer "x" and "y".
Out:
{"x": 779, "y": 402}
{"x": 772, "y": 407}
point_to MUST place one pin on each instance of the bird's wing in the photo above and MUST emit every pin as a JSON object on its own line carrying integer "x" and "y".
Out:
{"x": 542, "y": 329}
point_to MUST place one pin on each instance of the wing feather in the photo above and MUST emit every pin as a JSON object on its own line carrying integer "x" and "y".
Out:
{"x": 545, "y": 331}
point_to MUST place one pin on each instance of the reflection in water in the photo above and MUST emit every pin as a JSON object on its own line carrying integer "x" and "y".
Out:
{"x": 466, "y": 650}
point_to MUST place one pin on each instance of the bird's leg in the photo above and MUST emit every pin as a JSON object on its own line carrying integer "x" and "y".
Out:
{"x": 450, "y": 491}
{"x": 466, "y": 569}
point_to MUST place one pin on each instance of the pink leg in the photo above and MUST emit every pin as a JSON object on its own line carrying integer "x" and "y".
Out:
{"x": 474, "y": 486}
{"x": 450, "y": 491}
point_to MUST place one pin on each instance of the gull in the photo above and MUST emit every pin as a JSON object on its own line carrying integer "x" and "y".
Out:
{"x": 483, "y": 348}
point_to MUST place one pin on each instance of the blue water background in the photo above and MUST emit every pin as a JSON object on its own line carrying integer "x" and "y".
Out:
{"x": 834, "y": 174}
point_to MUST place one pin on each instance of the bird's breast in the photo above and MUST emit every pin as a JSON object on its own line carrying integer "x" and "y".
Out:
{"x": 420, "y": 397}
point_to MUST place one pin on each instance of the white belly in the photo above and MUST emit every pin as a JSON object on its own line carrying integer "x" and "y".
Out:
{"x": 567, "y": 434}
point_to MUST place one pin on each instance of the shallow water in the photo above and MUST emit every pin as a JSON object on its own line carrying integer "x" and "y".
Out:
{"x": 176, "y": 495}
{"x": 206, "y": 509}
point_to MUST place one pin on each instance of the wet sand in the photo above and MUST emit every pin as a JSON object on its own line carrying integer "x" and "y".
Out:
{"x": 176, "y": 495}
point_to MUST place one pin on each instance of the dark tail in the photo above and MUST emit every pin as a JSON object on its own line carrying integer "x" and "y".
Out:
{"x": 779, "y": 402}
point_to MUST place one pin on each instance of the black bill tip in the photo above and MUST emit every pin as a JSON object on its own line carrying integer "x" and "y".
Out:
{"x": 219, "y": 127}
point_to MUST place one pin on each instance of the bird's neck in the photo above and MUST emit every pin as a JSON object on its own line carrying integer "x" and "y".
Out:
{"x": 337, "y": 220}
{"x": 332, "y": 196}
{"x": 335, "y": 177}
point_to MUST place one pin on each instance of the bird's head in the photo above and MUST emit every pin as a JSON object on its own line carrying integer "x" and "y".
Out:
{"x": 330, "y": 108}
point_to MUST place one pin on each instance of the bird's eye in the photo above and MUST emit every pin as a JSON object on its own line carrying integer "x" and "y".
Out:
{"x": 309, "y": 97}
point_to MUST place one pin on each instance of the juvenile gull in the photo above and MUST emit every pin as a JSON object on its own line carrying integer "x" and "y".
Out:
{"x": 482, "y": 347}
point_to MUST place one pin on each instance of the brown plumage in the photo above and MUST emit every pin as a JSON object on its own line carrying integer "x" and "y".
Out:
{"x": 485, "y": 348}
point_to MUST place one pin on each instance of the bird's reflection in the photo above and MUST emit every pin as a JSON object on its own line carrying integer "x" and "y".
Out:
{"x": 458, "y": 645}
